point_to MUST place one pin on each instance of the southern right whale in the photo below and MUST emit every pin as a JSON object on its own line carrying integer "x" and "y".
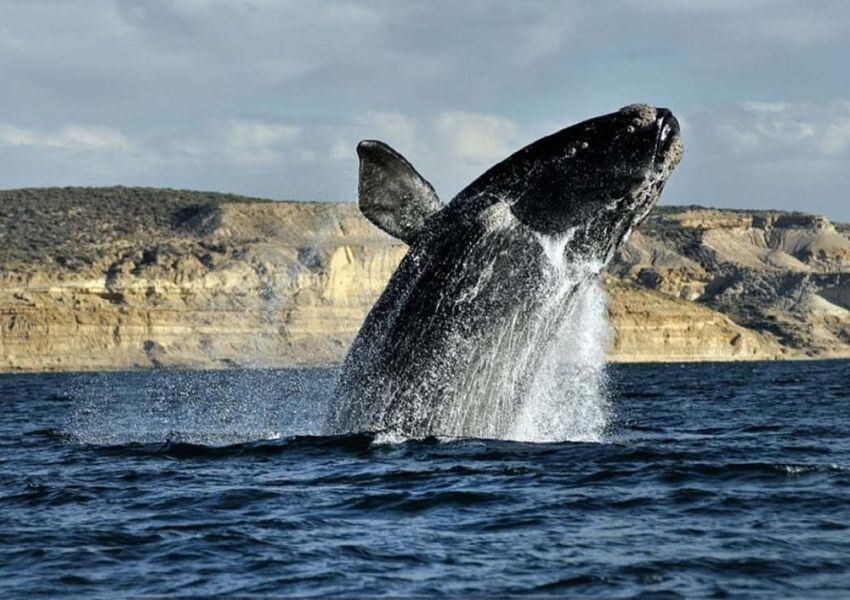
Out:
{"x": 456, "y": 338}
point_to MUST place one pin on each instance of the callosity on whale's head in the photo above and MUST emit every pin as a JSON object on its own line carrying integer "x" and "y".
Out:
{"x": 594, "y": 181}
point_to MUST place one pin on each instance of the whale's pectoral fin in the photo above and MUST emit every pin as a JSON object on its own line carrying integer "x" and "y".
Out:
{"x": 391, "y": 193}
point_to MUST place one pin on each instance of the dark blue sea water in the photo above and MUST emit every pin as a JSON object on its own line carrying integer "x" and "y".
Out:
{"x": 714, "y": 480}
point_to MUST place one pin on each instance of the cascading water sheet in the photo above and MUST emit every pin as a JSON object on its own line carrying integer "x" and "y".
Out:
{"x": 567, "y": 399}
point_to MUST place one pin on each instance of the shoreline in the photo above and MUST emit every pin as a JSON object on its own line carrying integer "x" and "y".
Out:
{"x": 329, "y": 366}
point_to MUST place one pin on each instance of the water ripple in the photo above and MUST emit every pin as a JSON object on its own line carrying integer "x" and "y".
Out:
{"x": 713, "y": 480}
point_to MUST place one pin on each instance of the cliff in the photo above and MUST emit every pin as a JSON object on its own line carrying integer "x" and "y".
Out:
{"x": 109, "y": 278}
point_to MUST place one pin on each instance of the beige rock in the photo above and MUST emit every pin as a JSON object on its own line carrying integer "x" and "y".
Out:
{"x": 121, "y": 278}
{"x": 652, "y": 326}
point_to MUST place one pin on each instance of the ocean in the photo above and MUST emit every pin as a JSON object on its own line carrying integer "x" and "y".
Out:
{"x": 708, "y": 480}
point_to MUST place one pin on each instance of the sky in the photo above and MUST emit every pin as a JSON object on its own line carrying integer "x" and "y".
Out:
{"x": 269, "y": 98}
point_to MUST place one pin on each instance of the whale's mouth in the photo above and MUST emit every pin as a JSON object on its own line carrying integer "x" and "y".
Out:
{"x": 668, "y": 133}
{"x": 638, "y": 203}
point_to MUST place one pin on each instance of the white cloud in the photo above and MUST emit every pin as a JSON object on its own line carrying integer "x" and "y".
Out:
{"x": 342, "y": 150}
{"x": 257, "y": 143}
{"x": 836, "y": 139}
{"x": 193, "y": 150}
{"x": 767, "y": 107}
{"x": 241, "y": 143}
{"x": 449, "y": 148}
{"x": 398, "y": 130}
{"x": 258, "y": 133}
{"x": 76, "y": 138}
{"x": 769, "y": 126}
{"x": 476, "y": 138}
{"x": 785, "y": 130}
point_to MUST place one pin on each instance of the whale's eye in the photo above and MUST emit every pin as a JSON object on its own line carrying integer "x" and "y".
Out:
{"x": 630, "y": 129}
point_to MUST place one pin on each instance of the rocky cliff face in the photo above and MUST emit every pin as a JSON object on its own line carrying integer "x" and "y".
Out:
{"x": 125, "y": 278}
{"x": 785, "y": 276}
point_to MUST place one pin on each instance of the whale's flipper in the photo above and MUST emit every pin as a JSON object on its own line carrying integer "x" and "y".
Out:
{"x": 391, "y": 194}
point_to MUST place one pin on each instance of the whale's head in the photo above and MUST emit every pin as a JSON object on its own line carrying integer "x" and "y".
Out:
{"x": 594, "y": 181}
{"x": 590, "y": 184}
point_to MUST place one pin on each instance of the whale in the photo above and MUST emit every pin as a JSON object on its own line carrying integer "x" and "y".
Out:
{"x": 457, "y": 338}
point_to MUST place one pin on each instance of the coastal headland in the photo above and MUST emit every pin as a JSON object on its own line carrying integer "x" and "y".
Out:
{"x": 124, "y": 278}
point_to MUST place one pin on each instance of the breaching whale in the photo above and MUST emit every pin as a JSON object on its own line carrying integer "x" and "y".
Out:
{"x": 455, "y": 340}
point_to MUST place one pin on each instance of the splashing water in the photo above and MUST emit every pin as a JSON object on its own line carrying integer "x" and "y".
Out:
{"x": 543, "y": 378}
{"x": 209, "y": 408}
{"x": 567, "y": 399}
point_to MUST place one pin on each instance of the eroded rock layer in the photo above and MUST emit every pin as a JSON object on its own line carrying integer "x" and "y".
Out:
{"x": 115, "y": 278}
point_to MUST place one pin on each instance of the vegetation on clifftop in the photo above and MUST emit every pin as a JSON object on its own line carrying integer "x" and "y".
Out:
{"x": 77, "y": 227}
